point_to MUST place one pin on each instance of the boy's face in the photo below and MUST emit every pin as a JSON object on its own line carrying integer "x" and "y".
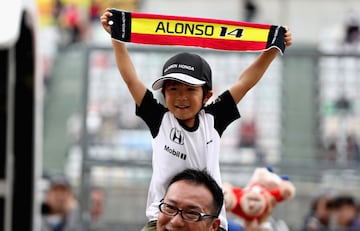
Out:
{"x": 184, "y": 101}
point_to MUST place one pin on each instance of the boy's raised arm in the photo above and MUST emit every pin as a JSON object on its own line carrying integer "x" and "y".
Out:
{"x": 255, "y": 71}
{"x": 125, "y": 65}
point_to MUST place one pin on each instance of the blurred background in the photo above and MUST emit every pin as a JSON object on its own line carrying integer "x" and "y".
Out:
{"x": 302, "y": 118}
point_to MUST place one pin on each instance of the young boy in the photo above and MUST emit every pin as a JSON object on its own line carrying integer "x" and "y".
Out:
{"x": 186, "y": 133}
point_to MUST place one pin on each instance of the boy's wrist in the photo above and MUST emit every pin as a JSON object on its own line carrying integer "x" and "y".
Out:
{"x": 272, "y": 52}
{"x": 117, "y": 42}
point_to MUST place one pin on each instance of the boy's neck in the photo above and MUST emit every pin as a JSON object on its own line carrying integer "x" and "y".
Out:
{"x": 190, "y": 128}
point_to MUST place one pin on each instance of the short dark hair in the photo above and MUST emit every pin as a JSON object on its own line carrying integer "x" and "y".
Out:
{"x": 342, "y": 200}
{"x": 202, "y": 177}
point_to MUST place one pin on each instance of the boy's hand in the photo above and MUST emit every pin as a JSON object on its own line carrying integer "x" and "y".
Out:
{"x": 104, "y": 20}
{"x": 288, "y": 37}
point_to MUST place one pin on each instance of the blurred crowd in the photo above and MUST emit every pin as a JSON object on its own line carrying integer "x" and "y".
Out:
{"x": 338, "y": 212}
{"x": 350, "y": 152}
{"x": 62, "y": 24}
{"x": 61, "y": 211}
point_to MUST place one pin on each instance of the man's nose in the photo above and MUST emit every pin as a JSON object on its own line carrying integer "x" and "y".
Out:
{"x": 177, "y": 220}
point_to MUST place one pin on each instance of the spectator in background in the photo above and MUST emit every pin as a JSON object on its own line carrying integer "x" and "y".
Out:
{"x": 352, "y": 29}
{"x": 318, "y": 218}
{"x": 70, "y": 23}
{"x": 352, "y": 149}
{"x": 97, "y": 198}
{"x": 249, "y": 136}
{"x": 58, "y": 8}
{"x": 330, "y": 151}
{"x": 60, "y": 210}
{"x": 248, "y": 133}
{"x": 250, "y": 10}
{"x": 345, "y": 212}
{"x": 94, "y": 11}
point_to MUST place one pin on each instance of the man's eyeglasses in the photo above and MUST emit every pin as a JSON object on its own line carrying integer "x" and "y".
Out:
{"x": 187, "y": 215}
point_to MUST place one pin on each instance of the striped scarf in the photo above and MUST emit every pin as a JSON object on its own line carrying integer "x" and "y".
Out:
{"x": 156, "y": 29}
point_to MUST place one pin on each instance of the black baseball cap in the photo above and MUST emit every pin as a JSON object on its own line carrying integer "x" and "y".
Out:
{"x": 186, "y": 68}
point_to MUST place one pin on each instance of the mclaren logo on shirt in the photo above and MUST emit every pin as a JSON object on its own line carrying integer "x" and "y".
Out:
{"x": 177, "y": 136}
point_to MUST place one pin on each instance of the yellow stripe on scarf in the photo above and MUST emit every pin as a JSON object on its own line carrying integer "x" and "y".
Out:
{"x": 197, "y": 29}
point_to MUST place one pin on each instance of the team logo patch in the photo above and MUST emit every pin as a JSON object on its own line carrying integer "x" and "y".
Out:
{"x": 177, "y": 136}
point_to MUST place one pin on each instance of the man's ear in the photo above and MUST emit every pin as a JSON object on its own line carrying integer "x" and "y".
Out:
{"x": 215, "y": 224}
{"x": 207, "y": 96}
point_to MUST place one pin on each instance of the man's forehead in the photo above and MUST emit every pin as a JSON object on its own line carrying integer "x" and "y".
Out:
{"x": 183, "y": 190}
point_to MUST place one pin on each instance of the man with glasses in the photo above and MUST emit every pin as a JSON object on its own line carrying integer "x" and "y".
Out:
{"x": 192, "y": 201}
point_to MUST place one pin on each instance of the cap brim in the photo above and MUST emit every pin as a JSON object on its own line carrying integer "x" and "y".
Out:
{"x": 187, "y": 79}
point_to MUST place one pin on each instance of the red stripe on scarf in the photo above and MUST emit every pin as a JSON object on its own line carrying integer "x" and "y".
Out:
{"x": 223, "y": 44}
{"x": 203, "y": 20}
